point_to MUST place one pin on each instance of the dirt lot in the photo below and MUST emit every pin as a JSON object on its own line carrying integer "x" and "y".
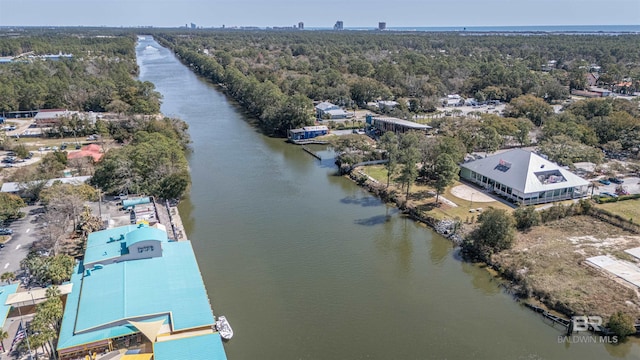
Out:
{"x": 549, "y": 263}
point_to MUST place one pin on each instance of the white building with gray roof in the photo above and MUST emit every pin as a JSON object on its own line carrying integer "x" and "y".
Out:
{"x": 328, "y": 110}
{"x": 524, "y": 177}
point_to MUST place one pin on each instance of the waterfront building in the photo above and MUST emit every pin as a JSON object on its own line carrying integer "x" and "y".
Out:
{"x": 135, "y": 289}
{"x": 308, "y": 132}
{"x": 524, "y": 178}
{"x": 383, "y": 124}
{"x": 5, "y": 292}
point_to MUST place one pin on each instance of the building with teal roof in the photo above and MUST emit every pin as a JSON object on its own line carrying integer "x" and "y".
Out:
{"x": 5, "y": 291}
{"x": 133, "y": 288}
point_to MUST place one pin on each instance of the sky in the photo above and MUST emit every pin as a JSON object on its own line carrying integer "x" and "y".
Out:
{"x": 318, "y": 13}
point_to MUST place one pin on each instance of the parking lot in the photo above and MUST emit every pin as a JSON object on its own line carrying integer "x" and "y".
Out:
{"x": 631, "y": 184}
{"x": 25, "y": 232}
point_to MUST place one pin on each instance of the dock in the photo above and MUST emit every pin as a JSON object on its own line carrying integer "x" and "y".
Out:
{"x": 309, "y": 142}
{"x": 547, "y": 315}
{"x": 169, "y": 216}
{"x": 307, "y": 150}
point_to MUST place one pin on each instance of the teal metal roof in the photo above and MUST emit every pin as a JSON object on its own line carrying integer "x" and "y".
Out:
{"x": 68, "y": 339}
{"x": 145, "y": 233}
{"x": 108, "y": 244}
{"x": 5, "y": 291}
{"x": 169, "y": 287}
{"x": 203, "y": 347}
{"x": 133, "y": 202}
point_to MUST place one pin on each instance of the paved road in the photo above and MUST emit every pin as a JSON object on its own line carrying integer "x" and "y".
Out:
{"x": 16, "y": 249}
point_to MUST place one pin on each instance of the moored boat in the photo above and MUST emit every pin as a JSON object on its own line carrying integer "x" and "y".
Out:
{"x": 223, "y": 327}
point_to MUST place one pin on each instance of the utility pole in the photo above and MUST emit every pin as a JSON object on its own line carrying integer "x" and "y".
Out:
{"x": 99, "y": 202}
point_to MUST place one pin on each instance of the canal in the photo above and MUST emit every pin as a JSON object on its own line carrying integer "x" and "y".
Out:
{"x": 306, "y": 265}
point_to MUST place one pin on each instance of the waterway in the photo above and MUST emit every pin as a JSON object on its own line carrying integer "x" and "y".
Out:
{"x": 306, "y": 265}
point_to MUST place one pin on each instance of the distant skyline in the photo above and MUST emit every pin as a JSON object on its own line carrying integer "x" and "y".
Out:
{"x": 314, "y": 13}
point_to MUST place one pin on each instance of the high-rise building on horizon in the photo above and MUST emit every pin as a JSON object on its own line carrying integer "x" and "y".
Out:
{"x": 300, "y": 25}
{"x": 339, "y": 25}
{"x": 382, "y": 26}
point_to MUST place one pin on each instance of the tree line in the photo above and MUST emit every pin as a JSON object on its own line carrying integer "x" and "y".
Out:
{"x": 352, "y": 68}
{"x": 99, "y": 76}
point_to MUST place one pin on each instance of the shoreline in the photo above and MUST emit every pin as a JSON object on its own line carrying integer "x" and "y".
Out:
{"x": 512, "y": 281}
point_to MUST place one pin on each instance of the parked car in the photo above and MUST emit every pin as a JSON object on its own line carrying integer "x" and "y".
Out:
{"x": 621, "y": 191}
{"x": 608, "y": 194}
{"x": 616, "y": 180}
{"x": 604, "y": 181}
{"x": 5, "y": 231}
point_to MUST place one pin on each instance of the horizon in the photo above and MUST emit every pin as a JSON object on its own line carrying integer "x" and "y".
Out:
{"x": 306, "y": 27}
{"x": 317, "y": 14}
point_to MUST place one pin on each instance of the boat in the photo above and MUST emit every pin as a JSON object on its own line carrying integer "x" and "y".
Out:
{"x": 223, "y": 327}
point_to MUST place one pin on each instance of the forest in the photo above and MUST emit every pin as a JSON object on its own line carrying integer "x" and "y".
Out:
{"x": 277, "y": 75}
{"x": 100, "y": 75}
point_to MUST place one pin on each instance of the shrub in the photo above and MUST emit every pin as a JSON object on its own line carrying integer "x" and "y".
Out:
{"x": 495, "y": 233}
{"x": 622, "y": 325}
{"x": 526, "y": 217}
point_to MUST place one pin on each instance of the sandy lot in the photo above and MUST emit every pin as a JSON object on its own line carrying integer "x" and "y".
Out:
{"x": 470, "y": 194}
{"x": 549, "y": 262}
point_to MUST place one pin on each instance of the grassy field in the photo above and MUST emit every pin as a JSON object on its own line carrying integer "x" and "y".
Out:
{"x": 628, "y": 209}
{"x": 551, "y": 258}
{"x": 424, "y": 198}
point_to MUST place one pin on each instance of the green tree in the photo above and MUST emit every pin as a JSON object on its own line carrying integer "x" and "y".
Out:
{"x": 8, "y": 277}
{"x": 531, "y": 107}
{"x": 566, "y": 151}
{"x": 10, "y": 206}
{"x": 48, "y": 269}
{"x": 60, "y": 268}
{"x": 490, "y": 140}
{"x": 408, "y": 158}
{"x": 389, "y": 143}
{"x": 47, "y": 320}
{"x": 364, "y": 90}
{"x": 622, "y": 325}
{"x": 446, "y": 172}
{"x": 21, "y": 151}
{"x": 523, "y": 127}
{"x": 526, "y": 217}
{"x": 3, "y": 336}
{"x": 495, "y": 233}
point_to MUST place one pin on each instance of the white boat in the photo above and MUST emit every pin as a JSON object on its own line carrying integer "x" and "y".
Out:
{"x": 223, "y": 327}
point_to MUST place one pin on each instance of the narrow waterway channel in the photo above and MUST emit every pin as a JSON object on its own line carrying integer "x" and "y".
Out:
{"x": 306, "y": 265}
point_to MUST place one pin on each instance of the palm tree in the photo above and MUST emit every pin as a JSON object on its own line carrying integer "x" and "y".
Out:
{"x": 8, "y": 277}
{"x": 3, "y": 335}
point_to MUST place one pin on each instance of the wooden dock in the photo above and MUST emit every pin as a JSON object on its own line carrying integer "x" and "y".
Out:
{"x": 555, "y": 319}
{"x": 309, "y": 142}
{"x": 307, "y": 150}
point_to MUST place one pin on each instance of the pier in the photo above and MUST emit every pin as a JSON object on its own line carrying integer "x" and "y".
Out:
{"x": 306, "y": 149}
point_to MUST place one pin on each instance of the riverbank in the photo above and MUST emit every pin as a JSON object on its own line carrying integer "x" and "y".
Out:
{"x": 546, "y": 265}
